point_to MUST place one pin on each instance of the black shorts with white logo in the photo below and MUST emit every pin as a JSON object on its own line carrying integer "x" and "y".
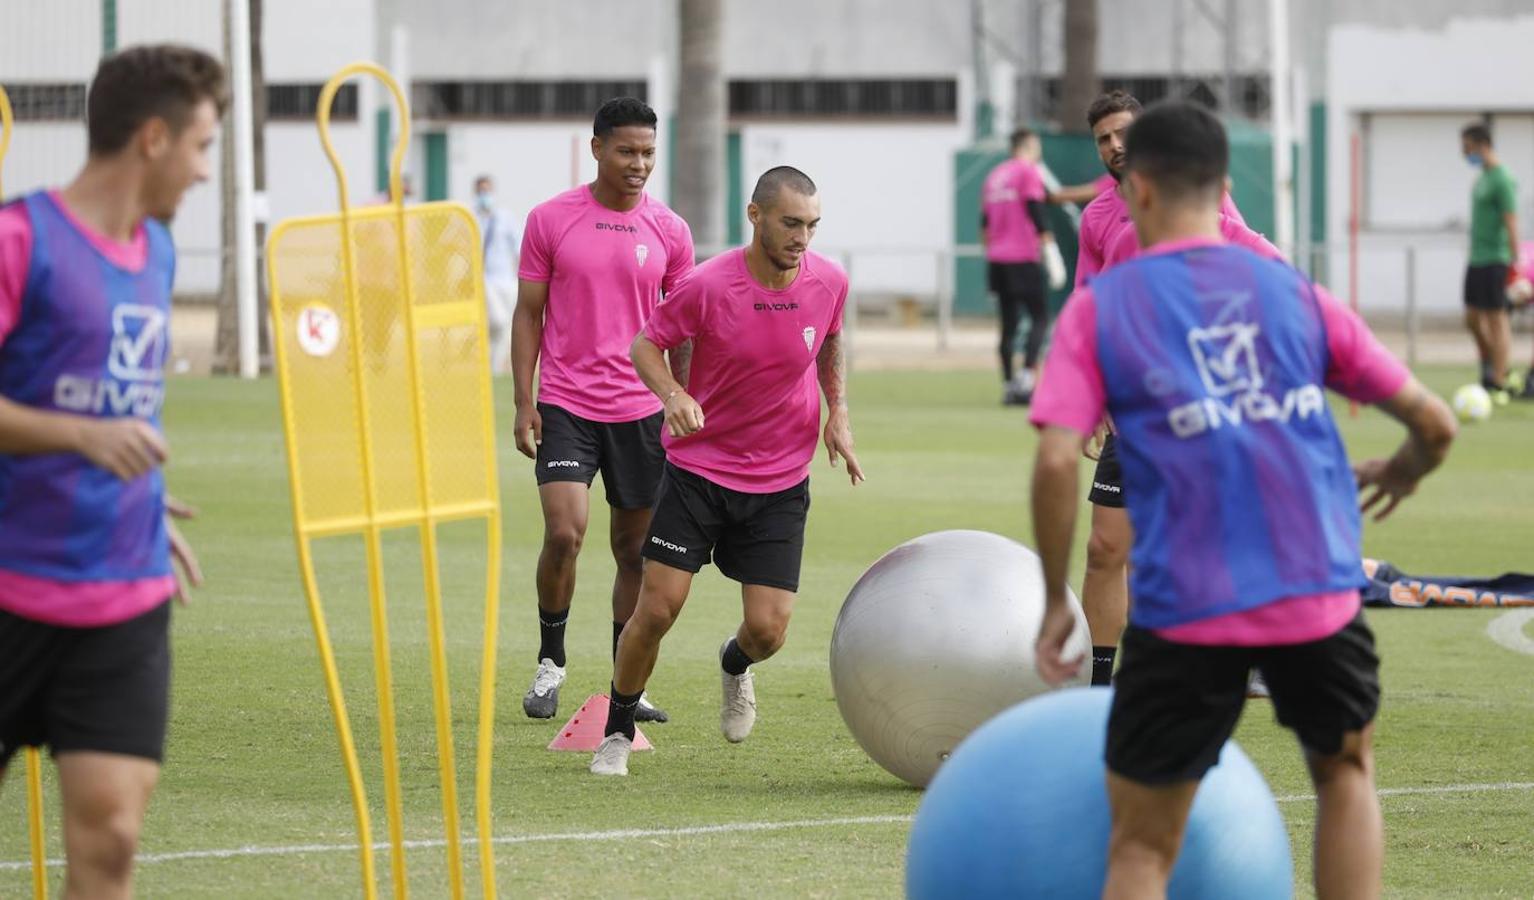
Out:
{"x": 1175, "y": 705}
{"x": 1486, "y": 287}
{"x": 752, "y": 538}
{"x": 1108, "y": 478}
{"x": 103, "y": 689}
{"x": 628, "y": 454}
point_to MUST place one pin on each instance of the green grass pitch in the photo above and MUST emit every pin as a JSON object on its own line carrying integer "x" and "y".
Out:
{"x": 252, "y": 759}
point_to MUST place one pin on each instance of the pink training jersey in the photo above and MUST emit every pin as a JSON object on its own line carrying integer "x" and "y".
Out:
{"x": 606, "y": 271}
{"x": 753, "y": 368}
{"x": 1010, "y": 236}
{"x": 1072, "y": 395}
{"x": 1107, "y": 234}
{"x": 78, "y": 604}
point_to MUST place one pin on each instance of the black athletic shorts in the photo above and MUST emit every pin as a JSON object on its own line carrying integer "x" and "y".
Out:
{"x": 1175, "y": 705}
{"x": 1486, "y": 287}
{"x": 102, "y": 689}
{"x": 1015, "y": 279}
{"x": 628, "y": 454}
{"x": 1108, "y": 478}
{"x": 753, "y": 538}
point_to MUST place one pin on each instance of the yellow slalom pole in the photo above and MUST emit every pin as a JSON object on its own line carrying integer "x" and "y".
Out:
{"x": 35, "y": 822}
{"x": 482, "y": 781}
{"x": 33, "y": 757}
{"x": 383, "y": 668}
{"x": 441, "y": 695}
{"x": 5, "y": 129}
{"x": 487, "y": 673}
{"x": 342, "y": 720}
{"x": 317, "y": 614}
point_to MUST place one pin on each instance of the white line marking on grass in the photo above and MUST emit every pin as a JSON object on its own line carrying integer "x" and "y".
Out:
{"x": 688, "y": 831}
{"x": 1507, "y": 630}
{"x": 1431, "y": 789}
{"x": 581, "y": 836}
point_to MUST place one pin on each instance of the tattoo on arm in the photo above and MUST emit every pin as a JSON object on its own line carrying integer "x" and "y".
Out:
{"x": 831, "y": 366}
{"x": 680, "y": 358}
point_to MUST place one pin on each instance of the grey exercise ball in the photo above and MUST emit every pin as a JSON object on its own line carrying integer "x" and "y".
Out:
{"x": 936, "y": 638}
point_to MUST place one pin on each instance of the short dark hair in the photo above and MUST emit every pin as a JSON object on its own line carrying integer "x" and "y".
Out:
{"x": 1109, "y": 103}
{"x": 483, "y": 179}
{"x": 1181, "y": 147}
{"x": 1019, "y": 136}
{"x": 136, "y": 84}
{"x": 774, "y": 180}
{"x": 619, "y": 112}
{"x": 1478, "y": 133}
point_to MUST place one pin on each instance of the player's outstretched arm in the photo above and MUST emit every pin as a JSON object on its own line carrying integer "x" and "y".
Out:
{"x": 1430, "y": 428}
{"x": 1079, "y": 194}
{"x": 526, "y": 342}
{"x": 831, "y": 367}
{"x": 127, "y": 447}
{"x": 683, "y": 414}
{"x": 1054, "y": 524}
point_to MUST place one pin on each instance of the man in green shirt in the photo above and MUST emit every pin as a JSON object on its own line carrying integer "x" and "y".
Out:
{"x": 1493, "y": 250}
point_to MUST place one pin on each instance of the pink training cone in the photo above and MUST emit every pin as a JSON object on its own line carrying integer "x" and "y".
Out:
{"x": 584, "y": 730}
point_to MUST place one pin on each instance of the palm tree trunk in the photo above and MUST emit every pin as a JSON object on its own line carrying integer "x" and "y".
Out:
{"x": 1081, "y": 84}
{"x": 226, "y": 341}
{"x": 700, "y": 122}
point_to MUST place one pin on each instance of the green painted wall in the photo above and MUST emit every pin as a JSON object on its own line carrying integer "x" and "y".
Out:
{"x": 108, "y": 27}
{"x": 734, "y": 190}
{"x": 436, "y": 165}
{"x": 381, "y": 150}
{"x": 1073, "y": 158}
{"x": 1318, "y": 186}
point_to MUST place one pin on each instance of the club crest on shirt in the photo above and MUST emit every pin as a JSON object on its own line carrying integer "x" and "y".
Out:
{"x": 1226, "y": 356}
{"x": 809, "y": 338}
{"x": 641, "y": 253}
{"x": 138, "y": 343}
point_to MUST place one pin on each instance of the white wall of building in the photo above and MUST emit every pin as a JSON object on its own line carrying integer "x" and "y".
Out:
{"x": 60, "y": 42}
{"x": 1406, "y": 92}
{"x": 885, "y": 191}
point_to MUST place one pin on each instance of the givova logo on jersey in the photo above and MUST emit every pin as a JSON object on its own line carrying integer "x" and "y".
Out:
{"x": 135, "y": 364}
{"x": 1226, "y": 359}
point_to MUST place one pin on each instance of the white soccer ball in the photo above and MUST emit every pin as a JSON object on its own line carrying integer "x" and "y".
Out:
{"x": 1520, "y": 291}
{"x": 1472, "y": 403}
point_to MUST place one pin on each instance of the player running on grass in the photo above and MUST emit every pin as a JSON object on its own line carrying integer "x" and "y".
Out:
{"x": 85, "y": 543}
{"x": 765, "y": 322}
{"x": 1107, "y": 238}
{"x": 1211, "y": 360}
{"x": 595, "y": 261}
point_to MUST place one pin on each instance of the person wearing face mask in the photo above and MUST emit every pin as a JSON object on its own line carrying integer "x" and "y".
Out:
{"x": 499, "y": 238}
{"x": 1493, "y": 251}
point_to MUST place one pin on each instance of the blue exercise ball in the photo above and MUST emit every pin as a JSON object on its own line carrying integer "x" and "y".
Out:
{"x": 1021, "y": 810}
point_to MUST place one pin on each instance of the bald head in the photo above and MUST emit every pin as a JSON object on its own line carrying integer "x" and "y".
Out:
{"x": 774, "y": 180}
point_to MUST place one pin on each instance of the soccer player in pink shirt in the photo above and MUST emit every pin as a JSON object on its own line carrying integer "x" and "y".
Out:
{"x": 1018, "y": 248}
{"x": 595, "y": 261}
{"x": 1211, "y": 359}
{"x": 765, "y": 324}
{"x": 86, "y": 546}
{"x": 1107, "y": 237}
